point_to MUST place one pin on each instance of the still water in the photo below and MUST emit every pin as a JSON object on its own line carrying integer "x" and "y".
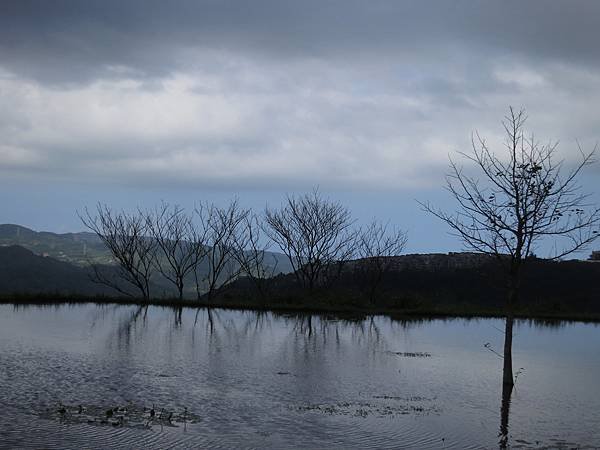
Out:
{"x": 91, "y": 376}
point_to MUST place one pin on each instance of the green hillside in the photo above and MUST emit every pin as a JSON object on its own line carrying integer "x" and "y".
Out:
{"x": 79, "y": 249}
{"x": 83, "y": 249}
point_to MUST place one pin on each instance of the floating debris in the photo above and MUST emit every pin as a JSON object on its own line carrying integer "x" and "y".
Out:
{"x": 414, "y": 398}
{"x": 412, "y": 354}
{"x": 127, "y": 416}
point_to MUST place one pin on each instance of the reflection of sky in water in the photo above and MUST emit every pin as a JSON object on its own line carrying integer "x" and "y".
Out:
{"x": 262, "y": 380}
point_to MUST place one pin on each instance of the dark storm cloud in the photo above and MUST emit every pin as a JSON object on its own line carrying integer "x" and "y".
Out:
{"x": 75, "y": 41}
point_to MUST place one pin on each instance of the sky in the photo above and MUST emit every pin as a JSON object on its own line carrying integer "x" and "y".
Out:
{"x": 133, "y": 102}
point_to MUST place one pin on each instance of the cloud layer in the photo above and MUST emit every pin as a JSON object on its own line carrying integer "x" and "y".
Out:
{"x": 284, "y": 94}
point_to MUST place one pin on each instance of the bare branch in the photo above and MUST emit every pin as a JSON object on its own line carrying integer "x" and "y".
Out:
{"x": 521, "y": 198}
{"x": 315, "y": 234}
{"x": 126, "y": 236}
{"x": 376, "y": 246}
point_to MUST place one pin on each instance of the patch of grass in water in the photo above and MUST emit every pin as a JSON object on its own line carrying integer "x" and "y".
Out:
{"x": 366, "y": 409}
{"x": 126, "y": 416}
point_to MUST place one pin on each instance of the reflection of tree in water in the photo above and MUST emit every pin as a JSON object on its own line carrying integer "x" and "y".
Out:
{"x": 291, "y": 343}
{"x": 210, "y": 315}
{"x": 218, "y": 326}
{"x": 311, "y": 331}
{"x": 220, "y": 329}
{"x": 552, "y": 324}
{"x": 178, "y": 311}
{"x": 504, "y": 415}
{"x": 212, "y": 320}
{"x": 362, "y": 331}
{"x": 127, "y": 326}
{"x": 507, "y": 389}
{"x": 256, "y": 323}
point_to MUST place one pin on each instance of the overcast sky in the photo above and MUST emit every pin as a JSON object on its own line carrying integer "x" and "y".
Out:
{"x": 133, "y": 102}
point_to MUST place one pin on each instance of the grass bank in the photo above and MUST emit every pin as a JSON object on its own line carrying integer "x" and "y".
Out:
{"x": 420, "y": 310}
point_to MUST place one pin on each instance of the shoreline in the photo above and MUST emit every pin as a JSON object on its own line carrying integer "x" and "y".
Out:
{"x": 424, "y": 312}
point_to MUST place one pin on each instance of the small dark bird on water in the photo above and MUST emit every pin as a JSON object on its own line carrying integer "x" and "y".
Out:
{"x": 152, "y": 412}
{"x": 119, "y": 422}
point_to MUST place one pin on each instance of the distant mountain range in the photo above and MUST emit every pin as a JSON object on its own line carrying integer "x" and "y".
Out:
{"x": 83, "y": 249}
{"x": 79, "y": 249}
{"x": 29, "y": 263}
{"x": 44, "y": 262}
{"x": 23, "y": 272}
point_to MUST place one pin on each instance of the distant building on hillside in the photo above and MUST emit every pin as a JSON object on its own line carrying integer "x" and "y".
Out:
{"x": 595, "y": 256}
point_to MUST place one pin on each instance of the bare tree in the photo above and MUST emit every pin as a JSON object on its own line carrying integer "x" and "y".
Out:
{"x": 315, "y": 234}
{"x": 221, "y": 228}
{"x": 251, "y": 252}
{"x": 177, "y": 239}
{"x": 376, "y": 246}
{"x": 126, "y": 236}
{"x": 523, "y": 197}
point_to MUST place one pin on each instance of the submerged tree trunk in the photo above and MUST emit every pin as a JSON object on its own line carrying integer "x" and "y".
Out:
{"x": 508, "y": 380}
{"x": 513, "y": 295}
{"x": 507, "y": 371}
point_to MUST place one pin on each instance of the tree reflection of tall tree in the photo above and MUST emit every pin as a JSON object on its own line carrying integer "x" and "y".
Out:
{"x": 504, "y": 415}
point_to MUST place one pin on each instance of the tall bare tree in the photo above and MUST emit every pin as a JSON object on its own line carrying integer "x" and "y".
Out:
{"x": 376, "y": 246}
{"x": 520, "y": 198}
{"x": 315, "y": 234}
{"x": 178, "y": 241}
{"x": 127, "y": 238}
{"x": 221, "y": 228}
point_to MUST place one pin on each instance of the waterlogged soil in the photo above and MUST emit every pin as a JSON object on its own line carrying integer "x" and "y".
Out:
{"x": 91, "y": 376}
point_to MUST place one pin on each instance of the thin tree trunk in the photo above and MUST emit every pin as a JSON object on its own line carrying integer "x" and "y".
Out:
{"x": 507, "y": 371}
{"x": 198, "y": 295}
{"x": 513, "y": 294}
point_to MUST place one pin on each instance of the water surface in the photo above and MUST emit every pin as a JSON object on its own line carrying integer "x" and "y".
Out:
{"x": 234, "y": 379}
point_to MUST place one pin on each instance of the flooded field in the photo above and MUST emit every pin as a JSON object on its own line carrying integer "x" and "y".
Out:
{"x": 130, "y": 377}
